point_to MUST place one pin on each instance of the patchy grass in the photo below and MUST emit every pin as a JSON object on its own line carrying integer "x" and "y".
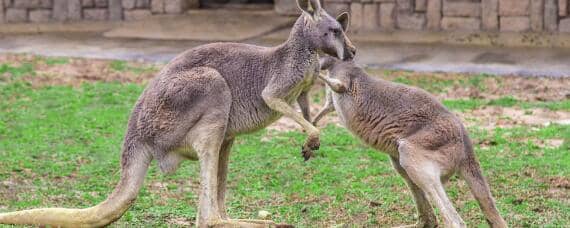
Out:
{"x": 60, "y": 147}
{"x": 52, "y": 61}
{"x": 469, "y": 104}
{"x": 17, "y": 71}
{"x": 124, "y": 66}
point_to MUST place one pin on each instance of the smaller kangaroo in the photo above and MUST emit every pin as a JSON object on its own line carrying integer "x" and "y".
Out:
{"x": 426, "y": 142}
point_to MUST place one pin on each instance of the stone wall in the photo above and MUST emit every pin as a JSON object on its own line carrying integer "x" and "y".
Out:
{"x": 455, "y": 15}
{"x": 20, "y": 11}
{"x": 366, "y": 15}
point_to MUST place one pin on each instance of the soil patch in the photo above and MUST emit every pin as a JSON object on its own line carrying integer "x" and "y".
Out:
{"x": 491, "y": 117}
{"x": 75, "y": 71}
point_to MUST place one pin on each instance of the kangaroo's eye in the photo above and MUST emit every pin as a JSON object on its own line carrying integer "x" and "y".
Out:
{"x": 335, "y": 31}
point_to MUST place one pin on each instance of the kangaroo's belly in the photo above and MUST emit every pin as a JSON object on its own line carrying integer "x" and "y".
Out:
{"x": 375, "y": 129}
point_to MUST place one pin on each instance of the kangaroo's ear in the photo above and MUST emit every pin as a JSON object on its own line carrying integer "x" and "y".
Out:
{"x": 326, "y": 62}
{"x": 309, "y": 6}
{"x": 344, "y": 20}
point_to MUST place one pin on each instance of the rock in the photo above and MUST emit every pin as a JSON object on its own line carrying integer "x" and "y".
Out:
{"x": 101, "y": 3}
{"x": 95, "y": 14}
{"x": 59, "y": 10}
{"x": 41, "y": 15}
{"x": 537, "y": 15}
{"x": 74, "y": 10}
{"x": 411, "y": 21}
{"x": 550, "y": 15}
{"x": 137, "y": 14}
{"x": 46, "y": 4}
{"x": 434, "y": 14}
{"x": 88, "y": 3}
{"x": 460, "y": 23}
{"x": 356, "y": 16}
{"x": 404, "y": 5}
{"x": 370, "y": 16}
{"x": 16, "y": 15}
{"x": 490, "y": 15}
{"x": 157, "y": 6}
{"x": 263, "y": 214}
{"x": 1, "y": 11}
{"x": 461, "y": 9}
{"x": 514, "y": 7}
{"x": 287, "y": 7}
{"x": 175, "y": 6}
{"x": 565, "y": 27}
{"x": 421, "y": 5}
{"x": 115, "y": 10}
{"x": 26, "y": 4}
{"x": 336, "y": 8}
{"x": 563, "y": 8}
{"x": 387, "y": 16}
{"x": 143, "y": 4}
{"x": 129, "y": 4}
{"x": 515, "y": 24}
{"x": 193, "y": 4}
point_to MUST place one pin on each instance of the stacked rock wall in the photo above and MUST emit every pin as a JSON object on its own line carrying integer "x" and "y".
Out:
{"x": 366, "y": 15}
{"x": 20, "y": 11}
{"x": 456, "y": 15}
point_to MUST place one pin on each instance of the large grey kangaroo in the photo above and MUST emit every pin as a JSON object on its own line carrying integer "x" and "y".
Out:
{"x": 426, "y": 143}
{"x": 199, "y": 103}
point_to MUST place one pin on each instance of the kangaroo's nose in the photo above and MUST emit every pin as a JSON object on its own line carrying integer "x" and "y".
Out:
{"x": 351, "y": 53}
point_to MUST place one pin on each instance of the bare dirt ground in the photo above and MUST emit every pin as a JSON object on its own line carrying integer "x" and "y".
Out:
{"x": 76, "y": 71}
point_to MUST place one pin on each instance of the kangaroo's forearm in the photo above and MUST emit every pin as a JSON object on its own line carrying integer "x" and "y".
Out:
{"x": 327, "y": 108}
{"x": 335, "y": 84}
{"x": 303, "y": 102}
{"x": 322, "y": 113}
{"x": 281, "y": 106}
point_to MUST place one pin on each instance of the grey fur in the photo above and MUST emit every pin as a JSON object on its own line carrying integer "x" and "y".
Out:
{"x": 199, "y": 103}
{"x": 426, "y": 142}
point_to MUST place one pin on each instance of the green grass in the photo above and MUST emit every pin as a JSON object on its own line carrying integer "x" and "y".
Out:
{"x": 52, "y": 61}
{"x": 123, "y": 66}
{"x": 17, "y": 71}
{"x": 434, "y": 85}
{"x": 508, "y": 101}
{"x": 60, "y": 147}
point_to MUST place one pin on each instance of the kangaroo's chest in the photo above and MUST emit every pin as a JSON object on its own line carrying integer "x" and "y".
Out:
{"x": 342, "y": 105}
{"x": 304, "y": 80}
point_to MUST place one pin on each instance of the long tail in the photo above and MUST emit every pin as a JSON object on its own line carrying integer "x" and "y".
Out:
{"x": 471, "y": 172}
{"x": 134, "y": 165}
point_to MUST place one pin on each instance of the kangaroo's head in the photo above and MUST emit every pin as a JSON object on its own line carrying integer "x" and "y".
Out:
{"x": 325, "y": 32}
{"x": 341, "y": 70}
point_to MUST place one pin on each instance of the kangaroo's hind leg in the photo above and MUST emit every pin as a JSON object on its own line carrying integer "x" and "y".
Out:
{"x": 426, "y": 215}
{"x": 223, "y": 163}
{"x": 426, "y": 173}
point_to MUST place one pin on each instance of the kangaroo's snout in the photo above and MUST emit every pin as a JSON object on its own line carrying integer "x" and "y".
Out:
{"x": 350, "y": 50}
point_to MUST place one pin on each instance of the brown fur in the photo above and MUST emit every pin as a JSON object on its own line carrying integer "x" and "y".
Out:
{"x": 199, "y": 103}
{"x": 426, "y": 142}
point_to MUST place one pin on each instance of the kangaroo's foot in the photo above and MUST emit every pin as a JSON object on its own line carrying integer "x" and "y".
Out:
{"x": 313, "y": 143}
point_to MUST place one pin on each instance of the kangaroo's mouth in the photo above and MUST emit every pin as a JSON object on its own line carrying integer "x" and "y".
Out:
{"x": 349, "y": 54}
